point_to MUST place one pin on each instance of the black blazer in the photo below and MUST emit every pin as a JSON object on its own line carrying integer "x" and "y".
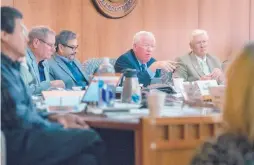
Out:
{"x": 129, "y": 60}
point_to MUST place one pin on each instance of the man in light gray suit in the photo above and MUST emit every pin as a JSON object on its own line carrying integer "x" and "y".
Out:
{"x": 198, "y": 64}
{"x": 41, "y": 46}
{"x": 63, "y": 65}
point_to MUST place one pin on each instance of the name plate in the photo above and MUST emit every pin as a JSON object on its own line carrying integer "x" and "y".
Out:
{"x": 203, "y": 86}
{"x": 198, "y": 90}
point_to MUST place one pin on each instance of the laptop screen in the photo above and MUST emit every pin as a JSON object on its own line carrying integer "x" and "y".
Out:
{"x": 92, "y": 93}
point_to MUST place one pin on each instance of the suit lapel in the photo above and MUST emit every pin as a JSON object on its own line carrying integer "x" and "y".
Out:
{"x": 196, "y": 65}
{"x": 46, "y": 70}
{"x": 81, "y": 70}
{"x": 34, "y": 65}
{"x": 62, "y": 65}
{"x": 210, "y": 63}
{"x": 134, "y": 58}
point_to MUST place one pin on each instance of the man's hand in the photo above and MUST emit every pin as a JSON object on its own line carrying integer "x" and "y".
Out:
{"x": 69, "y": 120}
{"x": 217, "y": 74}
{"x": 57, "y": 84}
{"x": 206, "y": 77}
{"x": 168, "y": 66}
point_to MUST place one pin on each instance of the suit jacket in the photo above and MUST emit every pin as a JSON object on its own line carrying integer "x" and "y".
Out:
{"x": 189, "y": 68}
{"x": 58, "y": 70}
{"x": 129, "y": 60}
{"x": 37, "y": 86}
{"x": 26, "y": 75}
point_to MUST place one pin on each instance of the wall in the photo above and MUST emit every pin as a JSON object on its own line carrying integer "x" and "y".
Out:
{"x": 6, "y": 2}
{"x": 230, "y": 23}
{"x": 252, "y": 20}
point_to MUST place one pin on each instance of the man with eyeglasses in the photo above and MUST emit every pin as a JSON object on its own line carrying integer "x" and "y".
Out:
{"x": 140, "y": 58}
{"x": 54, "y": 139}
{"x": 41, "y": 46}
{"x": 64, "y": 65}
{"x": 199, "y": 64}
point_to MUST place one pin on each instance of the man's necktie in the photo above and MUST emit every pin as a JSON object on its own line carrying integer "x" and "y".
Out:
{"x": 143, "y": 67}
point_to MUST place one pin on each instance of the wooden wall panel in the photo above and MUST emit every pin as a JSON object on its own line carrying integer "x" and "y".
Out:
{"x": 108, "y": 37}
{"x": 227, "y": 22}
{"x": 252, "y": 20}
{"x": 7, "y": 2}
{"x": 171, "y": 22}
{"x": 57, "y": 14}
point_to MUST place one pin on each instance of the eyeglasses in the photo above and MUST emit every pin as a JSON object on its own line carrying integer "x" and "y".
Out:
{"x": 148, "y": 46}
{"x": 71, "y": 47}
{"x": 201, "y": 42}
{"x": 51, "y": 45}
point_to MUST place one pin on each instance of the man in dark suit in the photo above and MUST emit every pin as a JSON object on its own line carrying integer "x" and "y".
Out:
{"x": 32, "y": 137}
{"x": 140, "y": 58}
{"x": 64, "y": 65}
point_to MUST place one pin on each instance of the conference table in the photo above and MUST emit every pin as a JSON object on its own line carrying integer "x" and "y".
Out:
{"x": 166, "y": 140}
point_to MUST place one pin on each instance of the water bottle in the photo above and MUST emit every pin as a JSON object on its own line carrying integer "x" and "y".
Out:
{"x": 131, "y": 89}
{"x": 105, "y": 67}
{"x": 106, "y": 90}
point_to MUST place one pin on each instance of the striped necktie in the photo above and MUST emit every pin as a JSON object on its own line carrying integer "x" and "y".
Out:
{"x": 143, "y": 67}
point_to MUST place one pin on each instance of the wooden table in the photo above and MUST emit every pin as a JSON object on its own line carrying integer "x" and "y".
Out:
{"x": 163, "y": 140}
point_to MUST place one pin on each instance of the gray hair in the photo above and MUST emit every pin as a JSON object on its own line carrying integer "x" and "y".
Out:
{"x": 137, "y": 37}
{"x": 198, "y": 32}
{"x": 63, "y": 37}
{"x": 40, "y": 32}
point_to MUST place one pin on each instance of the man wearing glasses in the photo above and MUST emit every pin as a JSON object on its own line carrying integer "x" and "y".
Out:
{"x": 140, "y": 58}
{"x": 54, "y": 139}
{"x": 41, "y": 46}
{"x": 63, "y": 65}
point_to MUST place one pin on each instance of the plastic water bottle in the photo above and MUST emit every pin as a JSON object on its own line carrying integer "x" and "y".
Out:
{"x": 106, "y": 90}
{"x": 106, "y": 67}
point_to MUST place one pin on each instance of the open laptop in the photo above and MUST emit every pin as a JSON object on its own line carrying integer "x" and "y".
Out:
{"x": 92, "y": 93}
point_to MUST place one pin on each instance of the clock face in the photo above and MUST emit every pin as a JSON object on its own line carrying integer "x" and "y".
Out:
{"x": 115, "y": 8}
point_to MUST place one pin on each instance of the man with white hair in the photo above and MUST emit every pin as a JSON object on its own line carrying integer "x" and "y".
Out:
{"x": 198, "y": 64}
{"x": 41, "y": 46}
{"x": 140, "y": 58}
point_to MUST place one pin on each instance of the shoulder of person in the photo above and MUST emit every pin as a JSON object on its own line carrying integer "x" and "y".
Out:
{"x": 213, "y": 57}
{"x": 227, "y": 148}
{"x": 126, "y": 55}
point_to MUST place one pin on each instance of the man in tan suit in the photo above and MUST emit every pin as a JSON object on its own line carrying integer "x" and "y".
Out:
{"x": 198, "y": 64}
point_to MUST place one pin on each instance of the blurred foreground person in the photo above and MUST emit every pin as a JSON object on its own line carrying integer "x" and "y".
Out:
{"x": 235, "y": 146}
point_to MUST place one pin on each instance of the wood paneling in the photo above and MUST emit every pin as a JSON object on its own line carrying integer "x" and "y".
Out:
{"x": 6, "y": 2}
{"x": 227, "y": 22}
{"x": 171, "y": 22}
{"x": 252, "y": 19}
{"x": 108, "y": 37}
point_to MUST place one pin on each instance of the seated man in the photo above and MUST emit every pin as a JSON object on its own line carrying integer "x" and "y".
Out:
{"x": 198, "y": 64}
{"x": 140, "y": 58}
{"x": 31, "y": 138}
{"x": 63, "y": 65}
{"x": 41, "y": 46}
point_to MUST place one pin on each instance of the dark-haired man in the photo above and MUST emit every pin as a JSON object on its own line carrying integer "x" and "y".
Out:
{"x": 64, "y": 65}
{"x": 30, "y": 138}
